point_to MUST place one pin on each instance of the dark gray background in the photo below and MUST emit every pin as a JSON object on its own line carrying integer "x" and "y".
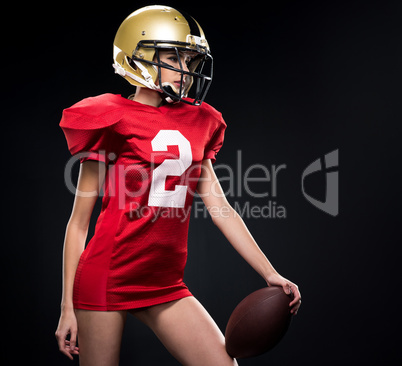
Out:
{"x": 294, "y": 81}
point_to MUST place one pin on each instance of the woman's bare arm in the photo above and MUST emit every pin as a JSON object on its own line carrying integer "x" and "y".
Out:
{"x": 90, "y": 180}
{"x": 233, "y": 227}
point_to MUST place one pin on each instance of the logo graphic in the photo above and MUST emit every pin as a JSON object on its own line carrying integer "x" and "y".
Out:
{"x": 331, "y": 203}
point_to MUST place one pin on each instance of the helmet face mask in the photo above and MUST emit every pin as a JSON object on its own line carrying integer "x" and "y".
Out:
{"x": 199, "y": 73}
{"x": 148, "y": 31}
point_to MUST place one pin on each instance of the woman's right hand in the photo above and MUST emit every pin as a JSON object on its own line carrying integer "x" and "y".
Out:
{"x": 67, "y": 325}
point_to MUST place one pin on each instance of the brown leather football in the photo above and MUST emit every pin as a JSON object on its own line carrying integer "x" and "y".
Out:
{"x": 258, "y": 322}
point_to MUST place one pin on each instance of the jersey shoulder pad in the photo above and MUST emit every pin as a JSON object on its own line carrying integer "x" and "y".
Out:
{"x": 94, "y": 112}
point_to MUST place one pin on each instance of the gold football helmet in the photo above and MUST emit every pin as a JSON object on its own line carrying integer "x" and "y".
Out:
{"x": 147, "y": 30}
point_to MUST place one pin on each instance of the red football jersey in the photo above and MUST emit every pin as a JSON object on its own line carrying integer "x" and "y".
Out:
{"x": 137, "y": 255}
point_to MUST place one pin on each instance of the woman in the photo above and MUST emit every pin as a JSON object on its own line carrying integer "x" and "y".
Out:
{"x": 150, "y": 153}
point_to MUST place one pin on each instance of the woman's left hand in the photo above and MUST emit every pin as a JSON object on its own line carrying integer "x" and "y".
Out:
{"x": 289, "y": 287}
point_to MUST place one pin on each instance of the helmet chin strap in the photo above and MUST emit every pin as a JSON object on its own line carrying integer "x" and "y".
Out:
{"x": 148, "y": 82}
{"x": 169, "y": 88}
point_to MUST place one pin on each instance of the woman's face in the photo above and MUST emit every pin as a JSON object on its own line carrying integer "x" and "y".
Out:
{"x": 170, "y": 76}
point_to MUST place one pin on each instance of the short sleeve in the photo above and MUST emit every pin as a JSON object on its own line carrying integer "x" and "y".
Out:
{"x": 89, "y": 136}
{"x": 215, "y": 142}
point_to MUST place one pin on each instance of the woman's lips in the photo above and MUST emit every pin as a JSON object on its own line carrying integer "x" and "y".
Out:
{"x": 178, "y": 82}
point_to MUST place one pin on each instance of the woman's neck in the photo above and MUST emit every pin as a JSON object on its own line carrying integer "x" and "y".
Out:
{"x": 148, "y": 97}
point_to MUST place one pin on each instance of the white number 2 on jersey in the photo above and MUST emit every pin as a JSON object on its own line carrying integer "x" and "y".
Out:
{"x": 158, "y": 196}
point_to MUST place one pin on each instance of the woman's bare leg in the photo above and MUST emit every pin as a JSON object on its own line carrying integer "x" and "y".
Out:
{"x": 188, "y": 332}
{"x": 99, "y": 336}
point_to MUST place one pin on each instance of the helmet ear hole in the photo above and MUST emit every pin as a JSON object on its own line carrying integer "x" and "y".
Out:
{"x": 131, "y": 62}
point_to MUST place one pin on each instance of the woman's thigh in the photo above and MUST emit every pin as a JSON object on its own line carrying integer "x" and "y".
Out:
{"x": 188, "y": 332}
{"x": 99, "y": 336}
